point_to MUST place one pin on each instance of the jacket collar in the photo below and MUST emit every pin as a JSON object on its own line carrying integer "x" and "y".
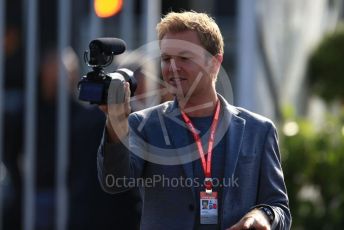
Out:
{"x": 174, "y": 108}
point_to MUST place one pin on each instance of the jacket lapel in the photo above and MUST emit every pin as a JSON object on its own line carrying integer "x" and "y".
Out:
{"x": 233, "y": 145}
{"x": 235, "y": 126}
{"x": 178, "y": 131}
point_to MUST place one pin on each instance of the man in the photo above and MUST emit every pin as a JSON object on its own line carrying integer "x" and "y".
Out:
{"x": 205, "y": 204}
{"x": 215, "y": 143}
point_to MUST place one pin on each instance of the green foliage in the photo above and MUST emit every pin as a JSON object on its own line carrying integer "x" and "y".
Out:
{"x": 326, "y": 66}
{"x": 313, "y": 163}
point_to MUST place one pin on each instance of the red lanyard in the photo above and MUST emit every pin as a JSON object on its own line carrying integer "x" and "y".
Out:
{"x": 206, "y": 164}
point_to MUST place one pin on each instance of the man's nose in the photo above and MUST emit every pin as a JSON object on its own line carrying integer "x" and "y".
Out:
{"x": 174, "y": 66}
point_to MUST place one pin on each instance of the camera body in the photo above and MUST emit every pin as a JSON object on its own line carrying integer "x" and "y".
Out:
{"x": 103, "y": 88}
{"x": 98, "y": 87}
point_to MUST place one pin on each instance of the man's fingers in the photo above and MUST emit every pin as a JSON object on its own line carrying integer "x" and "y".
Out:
{"x": 103, "y": 108}
{"x": 118, "y": 114}
{"x": 127, "y": 98}
{"x": 245, "y": 223}
{"x": 234, "y": 227}
{"x": 248, "y": 223}
{"x": 126, "y": 88}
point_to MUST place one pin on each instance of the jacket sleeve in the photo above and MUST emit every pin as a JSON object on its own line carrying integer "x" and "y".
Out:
{"x": 119, "y": 165}
{"x": 272, "y": 189}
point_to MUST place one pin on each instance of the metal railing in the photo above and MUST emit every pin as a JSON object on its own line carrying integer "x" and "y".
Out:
{"x": 2, "y": 79}
{"x": 29, "y": 158}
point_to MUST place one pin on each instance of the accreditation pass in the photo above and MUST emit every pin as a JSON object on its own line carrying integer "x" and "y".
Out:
{"x": 208, "y": 208}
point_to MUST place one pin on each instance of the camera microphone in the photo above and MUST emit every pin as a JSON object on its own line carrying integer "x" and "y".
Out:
{"x": 102, "y": 51}
{"x": 110, "y": 46}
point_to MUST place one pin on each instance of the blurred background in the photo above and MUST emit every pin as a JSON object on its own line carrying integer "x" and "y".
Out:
{"x": 285, "y": 60}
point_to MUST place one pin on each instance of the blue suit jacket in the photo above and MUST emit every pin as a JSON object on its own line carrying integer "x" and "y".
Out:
{"x": 159, "y": 151}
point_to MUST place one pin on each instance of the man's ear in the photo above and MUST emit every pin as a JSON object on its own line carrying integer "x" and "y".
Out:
{"x": 215, "y": 60}
{"x": 218, "y": 58}
{"x": 215, "y": 63}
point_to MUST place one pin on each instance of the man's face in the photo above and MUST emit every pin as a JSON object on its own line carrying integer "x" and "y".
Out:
{"x": 185, "y": 66}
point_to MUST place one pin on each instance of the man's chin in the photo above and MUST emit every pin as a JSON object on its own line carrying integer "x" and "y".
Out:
{"x": 175, "y": 92}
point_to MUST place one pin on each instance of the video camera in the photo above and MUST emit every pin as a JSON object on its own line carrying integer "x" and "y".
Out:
{"x": 97, "y": 87}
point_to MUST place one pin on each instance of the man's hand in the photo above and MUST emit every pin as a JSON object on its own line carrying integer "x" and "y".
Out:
{"x": 117, "y": 117}
{"x": 255, "y": 219}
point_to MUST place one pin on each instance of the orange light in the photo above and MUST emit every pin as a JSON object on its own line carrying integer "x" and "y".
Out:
{"x": 107, "y": 8}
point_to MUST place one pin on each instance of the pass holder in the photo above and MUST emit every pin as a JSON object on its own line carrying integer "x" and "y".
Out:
{"x": 208, "y": 185}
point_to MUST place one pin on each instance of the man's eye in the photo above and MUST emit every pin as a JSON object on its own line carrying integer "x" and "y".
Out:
{"x": 165, "y": 59}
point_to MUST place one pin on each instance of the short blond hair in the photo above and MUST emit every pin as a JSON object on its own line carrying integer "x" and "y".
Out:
{"x": 205, "y": 26}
